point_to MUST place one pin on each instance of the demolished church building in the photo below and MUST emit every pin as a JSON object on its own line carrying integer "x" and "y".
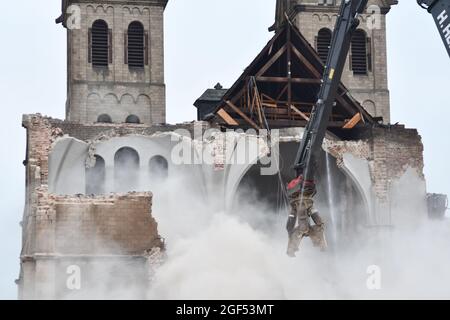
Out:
{"x": 91, "y": 175}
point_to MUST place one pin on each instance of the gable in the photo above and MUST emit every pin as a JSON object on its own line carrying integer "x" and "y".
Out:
{"x": 280, "y": 87}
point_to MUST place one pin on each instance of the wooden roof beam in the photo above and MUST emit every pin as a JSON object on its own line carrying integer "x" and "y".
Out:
{"x": 227, "y": 118}
{"x": 242, "y": 114}
{"x": 286, "y": 80}
{"x": 272, "y": 60}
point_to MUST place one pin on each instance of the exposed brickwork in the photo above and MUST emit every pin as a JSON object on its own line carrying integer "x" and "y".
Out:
{"x": 86, "y": 132}
{"x": 360, "y": 148}
{"x": 395, "y": 149}
{"x": 40, "y": 135}
{"x": 390, "y": 152}
{"x": 60, "y": 230}
{"x": 81, "y": 225}
{"x": 42, "y": 131}
{"x": 111, "y": 225}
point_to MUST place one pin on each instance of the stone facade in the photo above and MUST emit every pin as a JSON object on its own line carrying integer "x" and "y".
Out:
{"x": 386, "y": 155}
{"x": 117, "y": 90}
{"x": 57, "y": 218}
{"x": 82, "y": 231}
{"x": 115, "y": 233}
{"x": 94, "y": 233}
{"x": 371, "y": 89}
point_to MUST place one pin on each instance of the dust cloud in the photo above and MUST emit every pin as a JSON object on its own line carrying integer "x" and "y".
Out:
{"x": 241, "y": 253}
{"x": 213, "y": 254}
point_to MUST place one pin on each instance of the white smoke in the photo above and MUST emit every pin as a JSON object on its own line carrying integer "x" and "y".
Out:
{"x": 241, "y": 254}
{"x": 212, "y": 254}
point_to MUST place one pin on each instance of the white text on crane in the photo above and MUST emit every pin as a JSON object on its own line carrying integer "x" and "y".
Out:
{"x": 444, "y": 23}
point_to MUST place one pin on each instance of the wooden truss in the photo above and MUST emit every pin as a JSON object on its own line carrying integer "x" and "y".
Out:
{"x": 279, "y": 89}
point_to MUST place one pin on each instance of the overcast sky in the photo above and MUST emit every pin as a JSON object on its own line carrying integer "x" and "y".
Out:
{"x": 207, "y": 41}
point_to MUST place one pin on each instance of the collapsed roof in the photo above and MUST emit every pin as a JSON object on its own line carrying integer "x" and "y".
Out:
{"x": 279, "y": 89}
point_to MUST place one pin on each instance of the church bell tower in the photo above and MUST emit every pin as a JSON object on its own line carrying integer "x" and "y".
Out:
{"x": 115, "y": 61}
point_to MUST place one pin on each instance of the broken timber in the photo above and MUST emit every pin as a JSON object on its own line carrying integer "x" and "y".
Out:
{"x": 279, "y": 89}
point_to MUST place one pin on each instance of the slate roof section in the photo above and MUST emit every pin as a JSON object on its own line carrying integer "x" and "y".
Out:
{"x": 208, "y": 102}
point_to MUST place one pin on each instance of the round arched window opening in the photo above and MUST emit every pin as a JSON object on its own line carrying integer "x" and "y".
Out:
{"x": 133, "y": 119}
{"x": 104, "y": 118}
{"x": 159, "y": 167}
{"x": 95, "y": 177}
{"x": 126, "y": 170}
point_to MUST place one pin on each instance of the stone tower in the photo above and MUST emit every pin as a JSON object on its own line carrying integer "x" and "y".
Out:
{"x": 365, "y": 74}
{"x": 115, "y": 61}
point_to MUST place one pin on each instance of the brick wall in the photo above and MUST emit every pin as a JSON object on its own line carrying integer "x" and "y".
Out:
{"x": 57, "y": 231}
{"x": 395, "y": 149}
{"x": 88, "y": 132}
{"x": 390, "y": 151}
{"x": 119, "y": 224}
{"x": 98, "y": 234}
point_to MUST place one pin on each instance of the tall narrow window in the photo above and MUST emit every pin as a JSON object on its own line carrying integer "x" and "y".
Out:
{"x": 95, "y": 177}
{"x": 360, "y": 58}
{"x": 100, "y": 44}
{"x": 136, "y": 45}
{"x": 126, "y": 170}
{"x": 323, "y": 43}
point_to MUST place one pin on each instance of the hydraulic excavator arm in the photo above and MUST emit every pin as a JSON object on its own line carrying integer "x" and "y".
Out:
{"x": 301, "y": 190}
{"x": 440, "y": 9}
{"x": 315, "y": 130}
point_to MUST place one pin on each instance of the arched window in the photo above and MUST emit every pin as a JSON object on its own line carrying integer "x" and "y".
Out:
{"x": 159, "y": 167}
{"x": 136, "y": 52}
{"x": 100, "y": 49}
{"x": 361, "y": 58}
{"x": 323, "y": 43}
{"x": 104, "y": 118}
{"x": 126, "y": 170}
{"x": 95, "y": 177}
{"x": 132, "y": 119}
